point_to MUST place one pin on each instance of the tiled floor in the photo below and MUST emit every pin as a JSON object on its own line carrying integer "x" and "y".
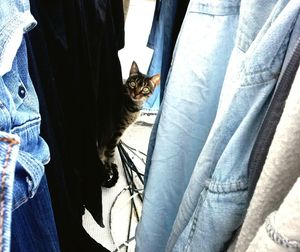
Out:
{"x": 116, "y": 204}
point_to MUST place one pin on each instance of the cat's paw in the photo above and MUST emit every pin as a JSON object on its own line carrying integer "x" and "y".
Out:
{"x": 112, "y": 175}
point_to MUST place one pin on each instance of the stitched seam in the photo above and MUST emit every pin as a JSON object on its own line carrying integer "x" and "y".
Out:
{"x": 224, "y": 10}
{"x": 268, "y": 68}
{"x": 11, "y": 142}
{"x": 226, "y": 187}
{"x": 194, "y": 225}
{"x": 19, "y": 203}
{"x": 29, "y": 123}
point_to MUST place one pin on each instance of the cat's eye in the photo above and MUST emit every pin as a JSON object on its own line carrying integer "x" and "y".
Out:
{"x": 146, "y": 90}
{"x": 132, "y": 84}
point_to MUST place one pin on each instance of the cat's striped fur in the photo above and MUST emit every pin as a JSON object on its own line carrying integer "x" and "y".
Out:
{"x": 136, "y": 90}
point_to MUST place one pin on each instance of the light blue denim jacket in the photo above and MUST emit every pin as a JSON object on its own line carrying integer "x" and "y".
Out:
{"x": 9, "y": 149}
{"x": 19, "y": 107}
{"x": 187, "y": 112}
{"x": 215, "y": 201}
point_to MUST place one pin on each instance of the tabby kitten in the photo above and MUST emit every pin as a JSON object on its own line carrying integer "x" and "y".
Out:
{"x": 135, "y": 91}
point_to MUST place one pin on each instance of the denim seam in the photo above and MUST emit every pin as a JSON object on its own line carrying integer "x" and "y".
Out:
{"x": 240, "y": 43}
{"x": 241, "y": 189}
{"x": 262, "y": 83}
{"x": 268, "y": 67}
{"x": 221, "y": 10}
{"x": 213, "y": 14}
{"x": 20, "y": 203}
{"x": 11, "y": 143}
{"x": 195, "y": 221}
{"x": 28, "y": 124}
{"x": 6, "y": 119}
{"x": 226, "y": 188}
{"x": 3, "y": 106}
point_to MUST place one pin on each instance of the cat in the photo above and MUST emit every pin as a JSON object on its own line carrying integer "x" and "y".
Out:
{"x": 135, "y": 91}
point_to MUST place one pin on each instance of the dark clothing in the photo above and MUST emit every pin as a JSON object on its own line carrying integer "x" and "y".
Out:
{"x": 77, "y": 75}
{"x": 33, "y": 227}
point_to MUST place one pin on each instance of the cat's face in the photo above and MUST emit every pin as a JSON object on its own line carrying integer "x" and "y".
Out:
{"x": 140, "y": 86}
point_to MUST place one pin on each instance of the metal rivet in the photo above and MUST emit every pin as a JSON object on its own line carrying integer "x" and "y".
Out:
{"x": 22, "y": 92}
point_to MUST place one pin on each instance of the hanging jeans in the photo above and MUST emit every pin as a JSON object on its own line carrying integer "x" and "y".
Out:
{"x": 33, "y": 228}
{"x": 187, "y": 112}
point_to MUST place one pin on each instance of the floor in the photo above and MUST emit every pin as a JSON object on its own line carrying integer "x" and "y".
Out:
{"x": 116, "y": 200}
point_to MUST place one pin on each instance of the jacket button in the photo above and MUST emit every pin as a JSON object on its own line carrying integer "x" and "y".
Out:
{"x": 22, "y": 92}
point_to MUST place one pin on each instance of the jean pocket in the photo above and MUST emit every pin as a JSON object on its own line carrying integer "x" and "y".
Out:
{"x": 219, "y": 213}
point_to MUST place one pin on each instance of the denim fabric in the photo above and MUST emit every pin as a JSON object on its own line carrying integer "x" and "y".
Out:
{"x": 166, "y": 25}
{"x": 275, "y": 109}
{"x": 19, "y": 113}
{"x": 9, "y": 149}
{"x": 216, "y": 199}
{"x": 186, "y": 114}
{"x": 20, "y": 116}
{"x": 33, "y": 228}
{"x": 152, "y": 103}
{"x": 15, "y": 19}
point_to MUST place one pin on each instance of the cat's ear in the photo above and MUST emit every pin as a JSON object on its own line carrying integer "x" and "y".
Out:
{"x": 155, "y": 79}
{"x": 134, "y": 70}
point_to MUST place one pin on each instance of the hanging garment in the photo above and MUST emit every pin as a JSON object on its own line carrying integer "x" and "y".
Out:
{"x": 117, "y": 16}
{"x": 33, "y": 227}
{"x": 20, "y": 116}
{"x": 274, "y": 112}
{"x": 281, "y": 230}
{"x": 281, "y": 168}
{"x": 186, "y": 114}
{"x": 71, "y": 234}
{"x": 9, "y": 149}
{"x": 82, "y": 39}
{"x": 216, "y": 198}
{"x": 167, "y": 20}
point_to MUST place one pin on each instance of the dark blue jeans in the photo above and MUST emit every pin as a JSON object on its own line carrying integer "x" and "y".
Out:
{"x": 33, "y": 228}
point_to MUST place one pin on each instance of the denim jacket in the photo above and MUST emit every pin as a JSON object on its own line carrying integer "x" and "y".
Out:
{"x": 9, "y": 148}
{"x": 187, "y": 112}
{"x": 19, "y": 107}
{"x": 216, "y": 198}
